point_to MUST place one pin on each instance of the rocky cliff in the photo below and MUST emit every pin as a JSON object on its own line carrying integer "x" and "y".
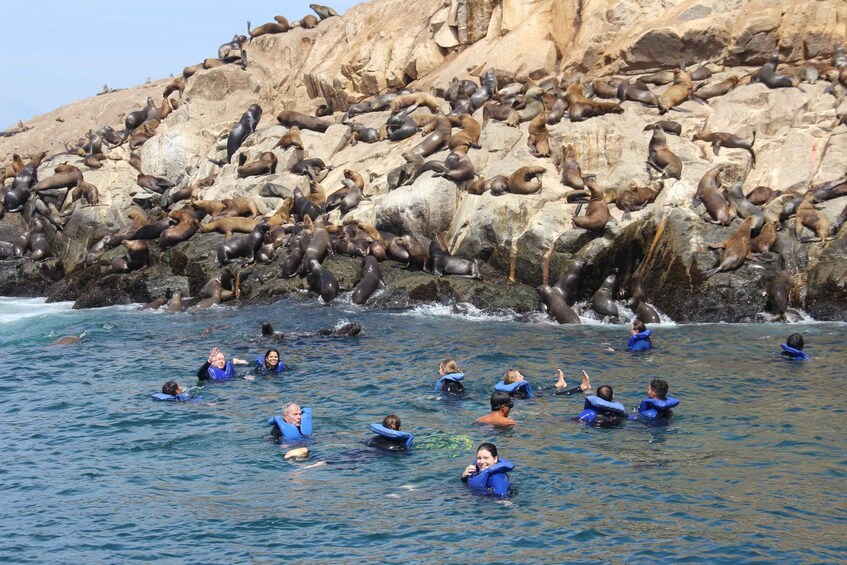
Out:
{"x": 522, "y": 239}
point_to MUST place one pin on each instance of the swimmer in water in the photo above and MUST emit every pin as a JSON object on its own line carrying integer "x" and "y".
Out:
{"x": 293, "y": 424}
{"x": 501, "y": 406}
{"x": 172, "y": 391}
{"x": 658, "y": 405}
{"x": 269, "y": 364}
{"x": 217, "y": 368}
{"x": 561, "y": 385}
{"x": 793, "y": 348}
{"x": 450, "y": 377}
{"x": 389, "y": 436}
{"x": 602, "y": 410}
{"x": 489, "y": 475}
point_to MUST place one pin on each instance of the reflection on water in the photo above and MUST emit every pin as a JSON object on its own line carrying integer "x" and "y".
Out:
{"x": 750, "y": 468}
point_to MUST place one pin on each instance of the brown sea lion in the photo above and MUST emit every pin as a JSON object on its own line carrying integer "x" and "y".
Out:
{"x": 521, "y": 181}
{"x": 414, "y": 100}
{"x": 229, "y": 225}
{"x": 661, "y": 158}
{"x": 67, "y": 176}
{"x": 762, "y": 195}
{"x": 736, "y": 249}
{"x": 68, "y": 340}
{"x": 606, "y": 88}
{"x": 434, "y": 141}
{"x": 496, "y": 110}
{"x": 355, "y": 177}
{"x": 637, "y": 197}
{"x": 581, "y": 108}
{"x": 810, "y": 218}
{"x": 729, "y": 140}
{"x": 778, "y": 295}
{"x": 290, "y": 118}
{"x": 323, "y": 12}
{"x": 744, "y": 207}
{"x": 137, "y": 257}
{"x": 210, "y": 207}
{"x": 467, "y": 137}
{"x": 283, "y": 213}
{"x": 9, "y": 171}
{"x": 532, "y": 106}
{"x": 659, "y": 78}
{"x": 269, "y": 28}
{"x": 240, "y": 206}
{"x": 291, "y": 138}
{"x": 571, "y": 173}
{"x": 702, "y": 72}
{"x": 708, "y": 192}
{"x": 628, "y": 91}
{"x": 763, "y": 242}
{"x": 309, "y": 22}
{"x": 677, "y": 93}
{"x": 175, "y": 302}
{"x": 371, "y": 279}
{"x": 264, "y": 165}
{"x": 719, "y": 88}
{"x": 538, "y": 140}
{"x": 596, "y": 214}
{"x": 668, "y": 126}
{"x": 142, "y": 133}
{"x": 187, "y": 225}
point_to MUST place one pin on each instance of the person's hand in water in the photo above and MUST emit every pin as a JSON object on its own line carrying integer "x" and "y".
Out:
{"x": 212, "y": 354}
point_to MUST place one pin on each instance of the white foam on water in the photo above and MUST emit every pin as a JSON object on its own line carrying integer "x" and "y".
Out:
{"x": 15, "y": 309}
{"x": 462, "y": 310}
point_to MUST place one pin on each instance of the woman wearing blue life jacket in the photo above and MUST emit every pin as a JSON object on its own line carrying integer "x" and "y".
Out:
{"x": 490, "y": 473}
{"x": 269, "y": 364}
{"x": 172, "y": 392}
{"x": 793, "y": 348}
{"x": 658, "y": 405}
{"x": 389, "y": 436}
{"x": 602, "y": 410}
{"x": 217, "y": 368}
{"x": 294, "y": 423}
{"x": 515, "y": 384}
{"x": 640, "y": 338}
{"x": 450, "y": 378}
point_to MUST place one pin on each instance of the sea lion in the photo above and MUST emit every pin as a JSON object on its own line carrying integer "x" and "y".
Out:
{"x": 264, "y": 165}
{"x": 603, "y": 301}
{"x": 719, "y": 88}
{"x": 229, "y": 225}
{"x": 596, "y": 214}
{"x": 467, "y": 137}
{"x": 628, "y": 91}
{"x": 443, "y": 263}
{"x": 175, "y": 302}
{"x": 159, "y": 302}
{"x": 762, "y": 195}
{"x": 736, "y": 249}
{"x": 303, "y": 207}
{"x": 829, "y": 190}
{"x": 323, "y": 12}
{"x": 14, "y": 168}
{"x": 400, "y": 127}
{"x": 187, "y": 225}
{"x": 291, "y": 138}
{"x": 98, "y": 249}
{"x": 137, "y": 257}
{"x": 136, "y": 118}
{"x": 552, "y": 302}
{"x": 309, "y": 167}
{"x": 708, "y": 192}
{"x": 309, "y": 22}
{"x": 416, "y": 255}
{"x": 778, "y": 295}
{"x": 435, "y": 140}
{"x": 156, "y": 185}
{"x": 638, "y": 301}
{"x": 571, "y": 173}
{"x": 487, "y": 88}
{"x": 810, "y": 218}
{"x": 355, "y": 177}
{"x": 677, "y": 93}
{"x": 668, "y": 126}
{"x": 414, "y": 100}
{"x": 606, "y": 88}
{"x": 37, "y": 247}
{"x": 661, "y": 158}
{"x": 321, "y": 280}
{"x": 152, "y": 230}
{"x": 240, "y": 206}
{"x": 521, "y": 181}
{"x": 581, "y": 108}
{"x": 532, "y": 106}
{"x": 224, "y": 51}
{"x": 289, "y": 118}
{"x": 245, "y": 126}
{"x": 67, "y": 176}
{"x": 732, "y": 141}
{"x": 637, "y": 197}
{"x": 744, "y": 208}
{"x": 458, "y": 167}
{"x": 269, "y": 28}
{"x": 68, "y": 340}
{"x": 354, "y": 196}
{"x": 538, "y": 141}
{"x": 659, "y": 78}
{"x": 763, "y": 242}
{"x": 370, "y": 280}
{"x": 771, "y": 78}
{"x": 244, "y": 246}
{"x": 702, "y": 72}
{"x": 142, "y": 133}
{"x": 568, "y": 283}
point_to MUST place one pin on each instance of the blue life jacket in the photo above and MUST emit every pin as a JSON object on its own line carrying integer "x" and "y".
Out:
{"x": 171, "y": 397}
{"x": 493, "y": 480}
{"x": 292, "y": 432}
{"x": 455, "y": 377}
{"x": 263, "y": 369}
{"x": 397, "y": 436}
{"x": 653, "y": 408}
{"x": 793, "y": 354}
{"x": 521, "y": 389}
{"x": 228, "y": 372}
{"x": 601, "y": 412}
{"x": 640, "y": 341}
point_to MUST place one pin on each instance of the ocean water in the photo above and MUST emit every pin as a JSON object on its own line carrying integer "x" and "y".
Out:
{"x": 752, "y": 467}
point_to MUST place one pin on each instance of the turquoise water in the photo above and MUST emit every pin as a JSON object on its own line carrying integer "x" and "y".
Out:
{"x": 752, "y": 467}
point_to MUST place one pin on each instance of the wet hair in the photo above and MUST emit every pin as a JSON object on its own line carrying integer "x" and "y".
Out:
{"x": 489, "y": 447}
{"x": 391, "y": 422}
{"x": 639, "y": 326}
{"x": 278, "y": 356}
{"x": 170, "y": 388}
{"x": 450, "y": 366}
{"x": 605, "y": 392}
{"x": 795, "y": 341}
{"x": 511, "y": 376}
{"x": 500, "y": 399}
{"x": 267, "y": 329}
{"x": 659, "y": 388}
{"x": 286, "y": 407}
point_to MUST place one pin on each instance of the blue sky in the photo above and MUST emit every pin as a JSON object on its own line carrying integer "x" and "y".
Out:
{"x": 58, "y": 52}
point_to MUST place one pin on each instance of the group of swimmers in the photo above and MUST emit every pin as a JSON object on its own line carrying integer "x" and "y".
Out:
{"x": 489, "y": 473}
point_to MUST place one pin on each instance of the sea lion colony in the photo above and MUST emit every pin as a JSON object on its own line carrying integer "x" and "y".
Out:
{"x": 171, "y": 214}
